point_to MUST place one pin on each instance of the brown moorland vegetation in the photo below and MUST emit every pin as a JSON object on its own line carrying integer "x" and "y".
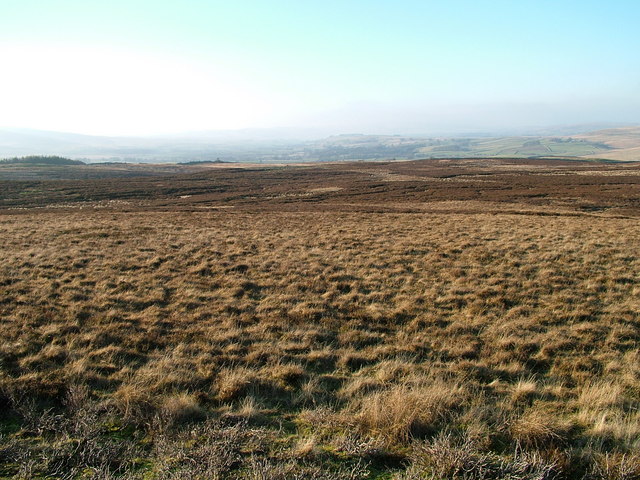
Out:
{"x": 459, "y": 319}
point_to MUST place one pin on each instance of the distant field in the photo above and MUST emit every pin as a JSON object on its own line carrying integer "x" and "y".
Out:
{"x": 517, "y": 147}
{"x": 439, "y": 319}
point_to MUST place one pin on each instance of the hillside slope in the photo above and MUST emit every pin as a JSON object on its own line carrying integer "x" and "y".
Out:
{"x": 625, "y": 142}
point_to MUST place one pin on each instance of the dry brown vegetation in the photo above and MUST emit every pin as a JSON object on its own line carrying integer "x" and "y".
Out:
{"x": 404, "y": 334}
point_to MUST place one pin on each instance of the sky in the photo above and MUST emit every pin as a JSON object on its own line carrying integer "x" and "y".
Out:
{"x": 136, "y": 67}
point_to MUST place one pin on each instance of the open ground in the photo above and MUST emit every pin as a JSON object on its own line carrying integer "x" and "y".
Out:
{"x": 442, "y": 319}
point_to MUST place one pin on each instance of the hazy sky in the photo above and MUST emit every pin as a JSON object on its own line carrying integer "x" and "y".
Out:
{"x": 134, "y": 67}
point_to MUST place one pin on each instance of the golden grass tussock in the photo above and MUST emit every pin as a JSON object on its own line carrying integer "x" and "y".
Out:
{"x": 524, "y": 390}
{"x": 541, "y": 428}
{"x": 180, "y": 408}
{"x": 234, "y": 383}
{"x": 609, "y": 413}
{"x": 407, "y": 411}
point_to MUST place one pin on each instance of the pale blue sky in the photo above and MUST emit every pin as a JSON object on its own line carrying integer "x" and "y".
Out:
{"x": 132, "y": 67}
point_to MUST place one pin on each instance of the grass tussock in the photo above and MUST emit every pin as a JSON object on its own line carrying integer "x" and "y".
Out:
{"x": 404, "y": 412}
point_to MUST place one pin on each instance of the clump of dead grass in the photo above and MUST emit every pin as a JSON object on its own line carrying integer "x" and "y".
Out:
{"x": 405, "y": 411}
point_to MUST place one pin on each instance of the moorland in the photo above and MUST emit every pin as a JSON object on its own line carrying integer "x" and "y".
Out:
{"x": 432, "y": 319}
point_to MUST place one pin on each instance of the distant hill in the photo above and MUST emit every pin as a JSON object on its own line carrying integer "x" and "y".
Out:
{"x": 40, "y": 160}
{"x": 612, "y": 143}
{"x": 624, "y": 141}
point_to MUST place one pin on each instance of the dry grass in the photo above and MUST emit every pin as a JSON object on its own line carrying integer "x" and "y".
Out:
{"x": 403, "y": 412}
{"x": 424, "y": 345}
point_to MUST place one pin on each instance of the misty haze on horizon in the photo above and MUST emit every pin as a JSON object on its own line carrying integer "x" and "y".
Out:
{"x": 376, "y": 119}
{"x": 312, "y": 145}
{"x": 280, "y": 70}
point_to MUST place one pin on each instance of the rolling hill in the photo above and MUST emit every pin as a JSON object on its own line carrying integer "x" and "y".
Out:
{"x": 255, "y": 147}
{"x": 624, "y": 142}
